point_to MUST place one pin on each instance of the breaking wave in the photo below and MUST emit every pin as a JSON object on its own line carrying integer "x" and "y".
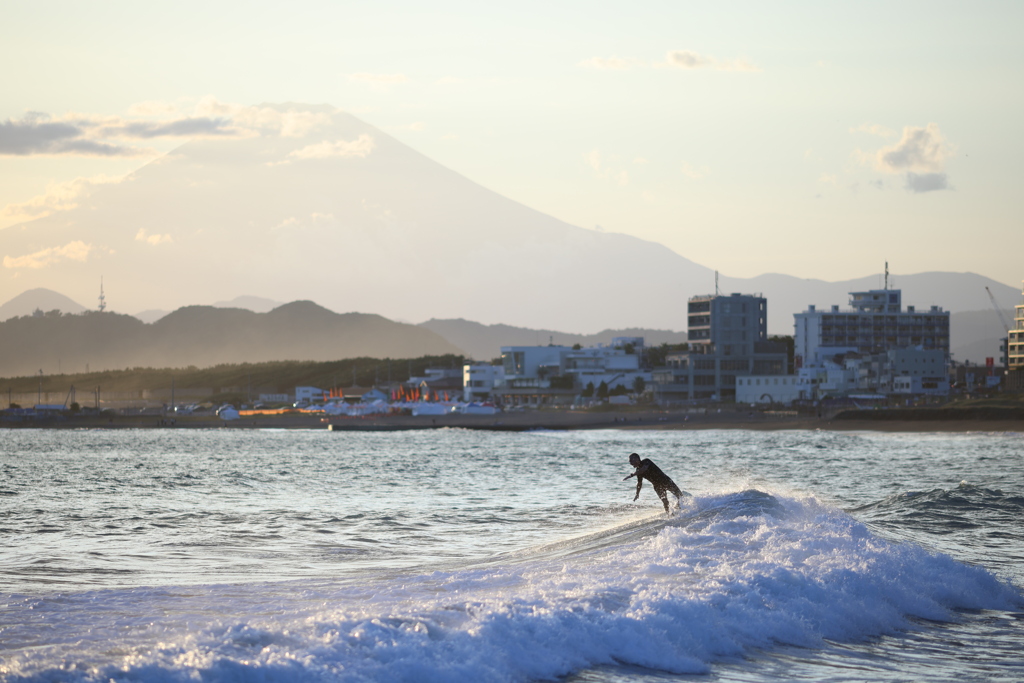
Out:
{"x": 727, "y": 575}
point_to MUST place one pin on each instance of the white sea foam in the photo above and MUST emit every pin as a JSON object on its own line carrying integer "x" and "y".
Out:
{"x": 729, "y": 574}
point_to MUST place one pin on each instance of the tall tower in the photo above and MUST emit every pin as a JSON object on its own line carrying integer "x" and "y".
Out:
{"x": 103, "y": 299}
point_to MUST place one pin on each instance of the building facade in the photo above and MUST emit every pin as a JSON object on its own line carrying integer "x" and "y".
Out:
{"x": 1015, "y": 341}
{"x": 874, "y": 323}
{"x": 876, "y": 347}
{"x": 728, "y": 337}
{"x": 480, "y": 379}
{"x": 556, "y": 375}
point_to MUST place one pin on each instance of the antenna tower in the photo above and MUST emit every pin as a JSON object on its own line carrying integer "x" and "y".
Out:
{"x": 716, "y": 283}
{"x": 103, "y": 299}
{"x": 887, "y": 275}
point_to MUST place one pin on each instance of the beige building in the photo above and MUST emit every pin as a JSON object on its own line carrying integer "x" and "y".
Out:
{"x": 1015, "y": 341}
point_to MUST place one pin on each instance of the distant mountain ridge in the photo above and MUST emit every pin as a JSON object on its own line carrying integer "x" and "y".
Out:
{"x": 204, "y": 336}
{"x": 342, "y": 213}
{"x": 974, "y": 334}
{"x": 39, "y": 298}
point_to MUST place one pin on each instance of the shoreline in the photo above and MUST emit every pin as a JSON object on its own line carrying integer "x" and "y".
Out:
{"x": 557, "y": 421}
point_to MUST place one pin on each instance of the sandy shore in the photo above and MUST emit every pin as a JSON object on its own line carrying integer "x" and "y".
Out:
{"x": 544, "y": 419}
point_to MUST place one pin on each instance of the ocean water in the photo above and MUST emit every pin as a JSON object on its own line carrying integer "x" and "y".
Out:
{"x": 455, "y": 555}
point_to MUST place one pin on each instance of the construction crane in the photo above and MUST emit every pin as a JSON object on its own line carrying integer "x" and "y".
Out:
{"x": 999, "y": 312}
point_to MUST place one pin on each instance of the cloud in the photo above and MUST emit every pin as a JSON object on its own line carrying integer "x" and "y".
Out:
{"x": 360, "y": 147}
{"x": 694, "y": 173}
{"x": 605, "y": 172}
{"x": 675, "y": 59}
{"x": 73, "y": 251}
{"x": 104, "y": 136}
{"x": 58, "y": 197}
{"x": 36, "y": 134}
{"x": 926, "y": 182}
{"x": 921, "y": 150}
{"x": 154, "y": 240}
{"x": 187, "y": 127}
{"x": 263, "y": 120}
{"x": 688, "y": 59}
{"x": 921, "y": 154}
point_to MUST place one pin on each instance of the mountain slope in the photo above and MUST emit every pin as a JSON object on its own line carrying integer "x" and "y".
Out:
{"x": 341, "y": 213}
{"x": 204, "y": 336}
{"x": 39, "y": 298}
{"x": 378, "y": 228}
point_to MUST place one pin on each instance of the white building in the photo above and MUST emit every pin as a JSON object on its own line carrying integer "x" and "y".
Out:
{"x": 874, "y": 323}
{"x": 480, "y": 379}
{"x": 918, "y": 371}
{"x": 773, "y": 389}
{"x": 614, "y": 365}
{"x": 1015, "y": 341}
{"x": 539, "y": 375}
{"x": 307, "y": 395}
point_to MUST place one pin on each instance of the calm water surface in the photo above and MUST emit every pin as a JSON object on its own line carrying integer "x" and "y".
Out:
{"x": 455, "y": 555}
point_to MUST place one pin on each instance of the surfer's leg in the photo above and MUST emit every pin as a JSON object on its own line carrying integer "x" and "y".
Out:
{"x": 664, "y": 498}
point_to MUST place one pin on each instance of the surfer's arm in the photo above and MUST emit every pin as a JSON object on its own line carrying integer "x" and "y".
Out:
{"x": 639, "y": 484}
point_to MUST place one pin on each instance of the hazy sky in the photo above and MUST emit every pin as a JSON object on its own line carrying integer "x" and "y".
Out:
{"x": 814, "y": 139}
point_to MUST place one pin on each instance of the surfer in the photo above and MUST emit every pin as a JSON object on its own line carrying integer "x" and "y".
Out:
{"x": 663, "y": 485}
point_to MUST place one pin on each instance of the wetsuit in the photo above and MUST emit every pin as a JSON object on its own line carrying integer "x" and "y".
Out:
{"x": 661, "y": 482}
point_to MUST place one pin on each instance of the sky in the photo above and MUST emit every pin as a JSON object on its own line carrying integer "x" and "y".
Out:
{"x": 816, "y": 139}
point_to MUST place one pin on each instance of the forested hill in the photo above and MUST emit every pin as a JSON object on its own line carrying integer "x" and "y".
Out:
{"x": 203, "y": 336}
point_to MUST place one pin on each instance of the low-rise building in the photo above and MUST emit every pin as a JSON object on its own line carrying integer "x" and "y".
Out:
{"x": 917, "y": 371}
{"x": 782, "y": 389}
{"x": 480, "y": 379}
{"x": 306, "y": 395}
{"x": 557, "y": 375}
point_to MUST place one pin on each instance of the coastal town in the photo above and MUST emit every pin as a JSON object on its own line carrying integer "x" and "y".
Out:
{"x": 874, "y": 353}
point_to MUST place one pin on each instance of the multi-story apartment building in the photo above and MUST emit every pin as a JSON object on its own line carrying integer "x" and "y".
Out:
{"x": 874, "y": 323}
{"x": 728, "y": 336}
{"x": 1015, "y": 340}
